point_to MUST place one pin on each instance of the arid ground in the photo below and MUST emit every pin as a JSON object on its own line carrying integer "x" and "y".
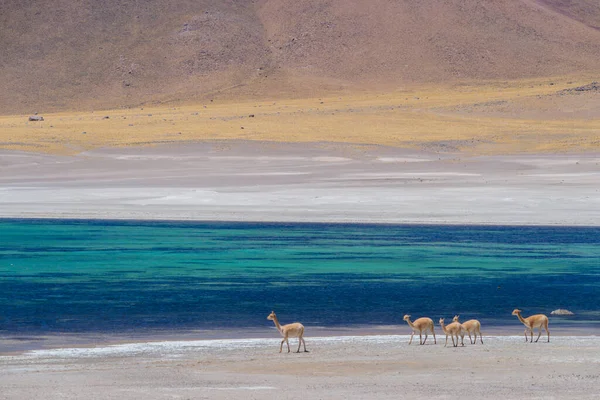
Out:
{"x": 382, "y": 367}
{"x": 514, "y": 117}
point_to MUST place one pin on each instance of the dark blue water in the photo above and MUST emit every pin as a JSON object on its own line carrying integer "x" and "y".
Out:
{"x": 119, "y": 277}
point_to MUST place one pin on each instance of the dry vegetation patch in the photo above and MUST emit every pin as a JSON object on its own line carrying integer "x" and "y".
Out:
{"x": 458, "y": 118}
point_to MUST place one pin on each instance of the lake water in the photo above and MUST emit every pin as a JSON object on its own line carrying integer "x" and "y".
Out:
{"x": 127, "y": 277}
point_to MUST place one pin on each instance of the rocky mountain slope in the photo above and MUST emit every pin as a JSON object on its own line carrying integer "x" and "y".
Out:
{"x": 85, "y": 54}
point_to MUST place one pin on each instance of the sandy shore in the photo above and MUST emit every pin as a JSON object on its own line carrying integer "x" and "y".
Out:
{"x": 346, "y": 367}
{"x": 264, "y": 181}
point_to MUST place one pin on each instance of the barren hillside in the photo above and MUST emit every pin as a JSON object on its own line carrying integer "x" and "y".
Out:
{"x": 65, "y": 54}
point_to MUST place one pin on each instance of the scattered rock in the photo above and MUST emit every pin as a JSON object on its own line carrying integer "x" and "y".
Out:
{"x": 251, "y": 115}
{"x": 83, "y": 133}
{"x": 562, "y": 311}
{"x": 36, "y": 118}
{"x": 106, "y": 117}
{"x": 587, "y": 88}
{"x": 590, "y": 87}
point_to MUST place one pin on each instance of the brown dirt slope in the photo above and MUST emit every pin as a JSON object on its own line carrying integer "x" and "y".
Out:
{"x": 585, "y": 11}
{"x": 65, "y": 54}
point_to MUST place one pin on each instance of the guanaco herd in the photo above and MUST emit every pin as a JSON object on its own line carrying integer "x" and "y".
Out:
{"x": 425, "y": 325}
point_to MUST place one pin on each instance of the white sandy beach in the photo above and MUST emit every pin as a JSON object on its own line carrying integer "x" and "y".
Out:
{"x": 263, "y": 181}
{"x": 357, "y": 367}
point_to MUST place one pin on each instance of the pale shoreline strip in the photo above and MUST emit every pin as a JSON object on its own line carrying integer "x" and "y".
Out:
{"x": 177, "y": 348}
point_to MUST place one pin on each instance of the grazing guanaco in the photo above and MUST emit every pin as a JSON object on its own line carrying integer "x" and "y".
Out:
{"x": 469, "y": 326}
{"x": 290, "y": 330}
{"x": 454, "y": 330}
{"x": 539, "y": 321}
{"x": 420, "y": 325}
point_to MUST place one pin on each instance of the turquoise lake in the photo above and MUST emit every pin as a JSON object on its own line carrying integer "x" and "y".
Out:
{"x": 117, "y": 277}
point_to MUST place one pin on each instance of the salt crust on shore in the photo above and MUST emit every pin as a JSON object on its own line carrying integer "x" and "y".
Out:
{"x": 268, "y": 182}
{"x": 174, "y": 349}
{"x": 356, "y": 367}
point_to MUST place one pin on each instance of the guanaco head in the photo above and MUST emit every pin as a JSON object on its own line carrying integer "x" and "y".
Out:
{"x": 271, "y": 316}
{"x": 516, "y": 311}
{"x": 455, "y": 319}
{"x": 441, "y": 321}
{"x": 406, "y": 317}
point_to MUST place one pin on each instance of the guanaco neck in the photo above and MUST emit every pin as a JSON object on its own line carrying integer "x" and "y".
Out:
{"x": 276, "y": 321}
{"x": 410, "y": 323}
{"x": 443, "y": 326}
{"x": 522, "y": 319}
